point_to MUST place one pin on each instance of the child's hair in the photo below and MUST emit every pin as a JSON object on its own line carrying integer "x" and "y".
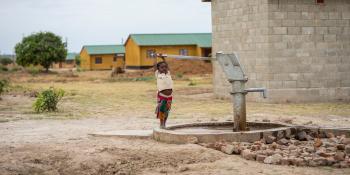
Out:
{"x": 159, "y": 63}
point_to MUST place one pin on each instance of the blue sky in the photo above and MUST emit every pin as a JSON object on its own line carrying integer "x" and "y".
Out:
{"x": 85, "y": 22}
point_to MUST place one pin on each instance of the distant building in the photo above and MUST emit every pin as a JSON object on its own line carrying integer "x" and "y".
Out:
{"x": 102, "y": 57}
{"x": 139, "y": 47}
{"x": 298, "y": 49}
{"x": 68, "y": 63}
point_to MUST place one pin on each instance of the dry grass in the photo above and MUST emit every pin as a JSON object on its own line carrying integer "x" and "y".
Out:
{"x": 94, "y": 95}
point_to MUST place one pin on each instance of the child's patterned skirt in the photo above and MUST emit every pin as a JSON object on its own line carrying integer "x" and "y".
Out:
{"x": 163, "y": 107}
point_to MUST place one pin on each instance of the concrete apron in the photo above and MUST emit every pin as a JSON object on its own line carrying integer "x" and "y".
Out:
{"x": 175, "y": 134}
{"x": 129, "y": 134}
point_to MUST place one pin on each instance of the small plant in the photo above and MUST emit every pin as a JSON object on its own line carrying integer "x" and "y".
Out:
{"x": 6, "y": 61}
{"x": 3, "y": 86}
{"x": 179, "y": 75}
{"x": 47, "y": 100}
{"x": 33, "y": 70}
{"x": 3, "y": 68}
{"x": 192, "y": 83}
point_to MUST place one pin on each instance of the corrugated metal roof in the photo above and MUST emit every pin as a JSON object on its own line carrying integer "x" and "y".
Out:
{"x": 71, "y": 56}
{"x": 104, "y": 49}
{"x": 199, "y": 39}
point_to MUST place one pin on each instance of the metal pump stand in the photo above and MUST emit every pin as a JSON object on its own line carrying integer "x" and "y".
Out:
{"x": 236, "y": 76}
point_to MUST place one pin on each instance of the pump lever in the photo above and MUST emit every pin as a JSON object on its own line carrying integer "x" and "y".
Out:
{"x": 263, "y": 90}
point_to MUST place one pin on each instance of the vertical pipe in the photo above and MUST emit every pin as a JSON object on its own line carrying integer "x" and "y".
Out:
{"x": 239, "y": 106}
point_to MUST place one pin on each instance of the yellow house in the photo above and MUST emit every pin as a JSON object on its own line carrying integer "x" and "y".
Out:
{"x": 139, "y": 47}
{"x": 102, "y": 57}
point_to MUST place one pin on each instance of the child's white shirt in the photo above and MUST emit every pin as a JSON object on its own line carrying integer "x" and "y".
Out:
{"x": 164, "y": 81}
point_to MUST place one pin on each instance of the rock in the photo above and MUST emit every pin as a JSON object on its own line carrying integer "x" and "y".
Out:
{"x": 231, "y": 149}
{"x": 227, "y": 149}
{"x": 307, "y": 123}
{"x": 347, "y": 149}
{"x": 302, "y": 136}
{"x": 295, "y": 142}
{"x": 333, "y": 140}
{"x": 320, "y": 161}
{"x": 274, "y": 159}
{"x": 280, "y": 135}
{"x": 269, "y": 139}
{"x": 330, "y": 135}
{"x": 285, "y": 161}
{"x": 270, "y": 152}
{"x": 192, "y": 140}
{"x": 323, "y": 154}
{"x": 308, "y": 138}
{"x": 345, "y": 141}
{"x": 266, "y": 120}
{"x": 340, "y": 156}
{"x": 331, "y": 149}
{"x": 255, "y": 147}
{"x": 292, "y": 147}
{"x": 283, "y": 141}
{"x": 310, "y": 149}
{"x": 318, "y": 143}
{"x": 183, "y": 169}
{"x": 341, "y": 147}
{"x": 249, "y": 155}
{"x": 344, "y": 164}
{"x": 331, "y": 161}
{"x": 274, "y": 145}
{"x": 260, "y": 158}
{"x": 328, "y": 144}
{"x": 288, "y": 133}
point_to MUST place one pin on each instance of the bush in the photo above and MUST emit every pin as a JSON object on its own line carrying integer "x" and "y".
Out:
{"x": 47, "y": 100}
{"x": 6, "y": 61}
{"x": 15, "y": 68}
{"x": 192, "y": 83}
{"x": 179, "y": 75}
{"x": 33, "y": 70}
{"x": 3, "y": 86}
{"x": 3, "y": 68}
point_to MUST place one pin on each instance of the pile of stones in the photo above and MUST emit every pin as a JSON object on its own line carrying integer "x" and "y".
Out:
{"x": 301, "y": 149}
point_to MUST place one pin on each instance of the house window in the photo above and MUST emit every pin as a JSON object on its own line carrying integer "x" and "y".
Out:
{"x": 183, "y": 52}
{"x": 151, "y": 53}
{"x": 98, "y": 60}
{"x": 114, "y": 59}
{"x": 319, "y": 1}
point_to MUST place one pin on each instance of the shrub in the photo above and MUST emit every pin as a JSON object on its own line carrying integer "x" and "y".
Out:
{"x": 47, "y": 100}
{"x": 6, "y": 61}
{"x": 3, "y": 85}
{"x": 192, "y": 83}
{"x": 15, "y": 68}
{"x": 3, "y": 68}
{"x": 33, "y": 70}
{"x": 179, "y": 75}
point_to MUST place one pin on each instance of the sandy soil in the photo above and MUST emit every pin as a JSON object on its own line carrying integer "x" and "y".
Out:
{"x": 58, "y": 143}
{"x": 64, "y": 147}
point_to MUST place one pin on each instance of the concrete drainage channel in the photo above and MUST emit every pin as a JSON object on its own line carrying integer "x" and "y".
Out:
{"x": 269, "y": 143}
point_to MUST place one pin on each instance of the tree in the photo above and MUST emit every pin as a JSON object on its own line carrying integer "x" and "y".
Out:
{"x": 77, "y": 60}
{"x": 43, "y": 48}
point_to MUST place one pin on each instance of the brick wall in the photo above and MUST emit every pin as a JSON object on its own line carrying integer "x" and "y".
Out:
{"x": 297, "y": 49}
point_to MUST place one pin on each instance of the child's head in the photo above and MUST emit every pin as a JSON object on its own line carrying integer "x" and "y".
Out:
{"x": 162, "y": 67}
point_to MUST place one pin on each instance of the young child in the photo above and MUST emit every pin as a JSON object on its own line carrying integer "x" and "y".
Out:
{"x": 165, "y": 90}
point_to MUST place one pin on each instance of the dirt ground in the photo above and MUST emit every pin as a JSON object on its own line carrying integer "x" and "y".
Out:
{"x": 58, "y": 143}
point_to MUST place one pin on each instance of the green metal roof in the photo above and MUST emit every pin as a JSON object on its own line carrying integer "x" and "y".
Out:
{"x": 71, "y": 56}
{"x": 104, "y": 49}
{"x": 199, "y": 39}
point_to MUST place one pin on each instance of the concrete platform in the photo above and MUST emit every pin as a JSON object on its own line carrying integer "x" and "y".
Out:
{"x": 222, "y": 131}
{"x": 139, "y": 134}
